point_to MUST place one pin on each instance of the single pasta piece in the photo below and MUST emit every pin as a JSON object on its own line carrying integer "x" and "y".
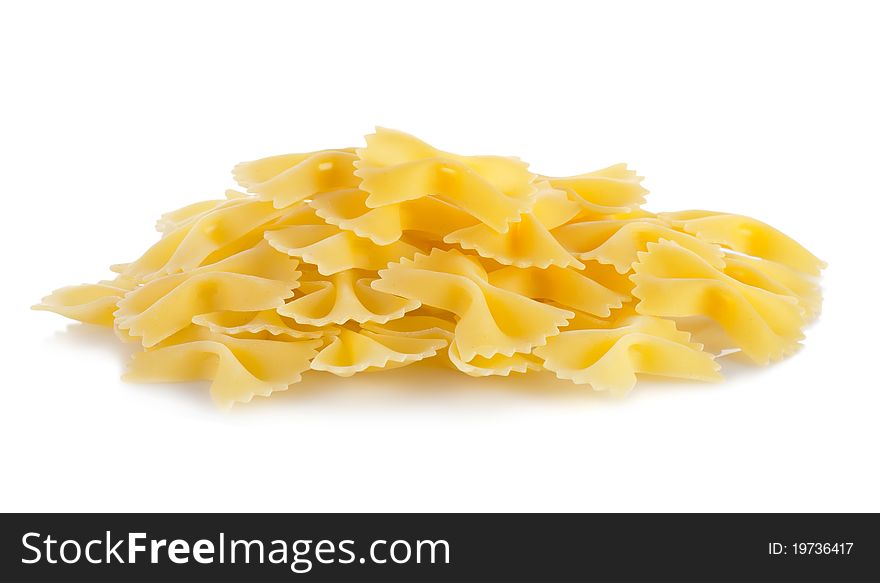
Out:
{"x": 746, "y": 235}
{"x": 92, "y": 303}
{"x": 347, "y": 209}
{"x": 254, "y": 172}
{"x": 527, "y": 243}
{"x": 608, "y": 359}
{"x": 675, "y": 282}
{"x": 333, "y": 250}
{"x": 239, "y": 368}
{"x": 192, "y": 244}
{"x": 777, "y": 278}
{"x": 617, "y": 242}
{"x": 612, "y": 190}
{"x": 172, "y": 220}
{"x": 497, "y": 365}
{"x": 354, "y": 351}
{"x": 253, "y": 280}
{"x": 491, "y": 320}
{"x": 415, "y": 325}
{"x": 566, "y": 287}
{"x": 395, "y": 167}
{"x": 388, "y": 147}
{"x": 252, "y": 323}
{"x": 346, "y": 297}
{"x": 308, "y": 175}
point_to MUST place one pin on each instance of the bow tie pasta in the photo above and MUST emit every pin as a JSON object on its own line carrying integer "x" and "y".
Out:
{"x": 353, "y": 260}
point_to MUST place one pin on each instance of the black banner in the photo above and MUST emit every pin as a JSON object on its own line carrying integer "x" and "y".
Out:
{"x": 437, "y": 547}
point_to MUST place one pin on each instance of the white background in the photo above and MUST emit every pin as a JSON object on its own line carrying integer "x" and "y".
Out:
{"x": 112, "y": 114}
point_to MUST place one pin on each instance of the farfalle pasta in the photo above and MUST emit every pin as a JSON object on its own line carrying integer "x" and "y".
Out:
{"x": 672, "y": 281}
{"x": 250, "y": 324}
{"x": 333, "y": 250}
{"x": 609, "y": 358}
{"x": 239, "y": 368}
{"x": 395, "y": 167}
{"x": 347, "y": 296}
{"x": 287, "y": 180}
{"x": 353, "y": 260}
{"x": 358, "y": 350}
{"x": 527, "y": 243}
{"x": 489, "y": 320}
{"x": 612, "y": 190}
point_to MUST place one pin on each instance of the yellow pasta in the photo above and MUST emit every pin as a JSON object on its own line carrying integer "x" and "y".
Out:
{"x": 253, "y": 323}
{"x": 194, "y": 242}
{"x": 609, "y": 191}
{"x": 496, "y": 365}
{"x": 567, "y": 287}
{"x": 353, "y": 351}
{"x": 240, "y": 368}
{"x": 93, "y": 303}
{"x": 346, "y": 297}
{"x": 672, "y": 281}
{"x": 609, "y": 358}
{"x": 746, "y": 235}
{"x": 490, "y": 320}
{"x": 527, "y": 243}
{"x": 307, "y": 176}
{"x": 333, "y": 250}
{"x": 170, "y": 221}
{"x": 395, "y": 167}
{"x": 348, "y": 210}
{"x": 355, "y": 260}
{"x": 777, "y": 278}
{"x": 256, "y": 279}
{"x": 616, "y": 242}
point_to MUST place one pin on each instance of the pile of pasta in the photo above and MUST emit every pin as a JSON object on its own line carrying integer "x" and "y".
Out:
{"x": 366, "y": 259}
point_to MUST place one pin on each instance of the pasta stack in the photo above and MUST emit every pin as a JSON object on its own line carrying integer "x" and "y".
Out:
{"x": 355, "y": 260}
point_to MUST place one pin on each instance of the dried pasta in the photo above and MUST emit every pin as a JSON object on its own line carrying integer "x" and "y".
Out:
{"x": 609, "y": 358}
{"x": 351, "y": 260}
